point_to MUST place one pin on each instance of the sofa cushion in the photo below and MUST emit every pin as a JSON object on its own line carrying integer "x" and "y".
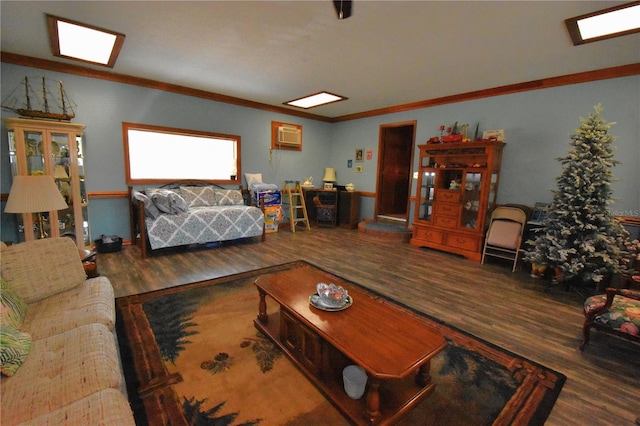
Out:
{"x": 14, "y": 348}
{"x": 90, "y": 302}
{"x": 60, "y": 370}
{"x": 12, "y": 307}
{"x": 58, "y": 268}
{"x": 229, "y": 197}
{"x": 198, "y": 196}
{"x": 107, "y": 407}
{"x": 167, "y": 201}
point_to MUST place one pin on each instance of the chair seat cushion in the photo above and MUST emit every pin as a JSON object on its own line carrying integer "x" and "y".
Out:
{"x": 622, "y": 316}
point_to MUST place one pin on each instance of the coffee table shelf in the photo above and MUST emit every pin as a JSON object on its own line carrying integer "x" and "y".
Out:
{"x": 398, "y": 371}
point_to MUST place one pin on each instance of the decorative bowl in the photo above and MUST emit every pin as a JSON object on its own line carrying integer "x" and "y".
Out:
{"x": 331, "y": 296}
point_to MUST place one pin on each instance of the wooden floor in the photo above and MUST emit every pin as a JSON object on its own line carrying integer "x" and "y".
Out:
{"x": 488, "y": 301}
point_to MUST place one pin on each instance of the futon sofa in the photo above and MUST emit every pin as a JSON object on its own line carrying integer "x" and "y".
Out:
{"x": 60, "y": 359}
{"x": 183, "y": 214}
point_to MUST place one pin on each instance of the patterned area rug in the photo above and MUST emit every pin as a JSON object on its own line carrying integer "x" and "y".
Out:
{"x": 192, "y": 355}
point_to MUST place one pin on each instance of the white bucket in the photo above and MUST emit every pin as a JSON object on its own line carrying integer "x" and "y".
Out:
{"x": 355, "y": 380}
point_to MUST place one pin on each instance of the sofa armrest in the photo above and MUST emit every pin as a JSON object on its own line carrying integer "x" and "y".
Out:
{"x": 38, "y": 269}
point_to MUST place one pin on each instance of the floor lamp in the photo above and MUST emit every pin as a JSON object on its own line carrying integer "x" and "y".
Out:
{"x": 34, "y": 194}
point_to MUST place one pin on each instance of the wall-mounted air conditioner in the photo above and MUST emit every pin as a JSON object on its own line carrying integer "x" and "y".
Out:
{"x": 289, "y": 136}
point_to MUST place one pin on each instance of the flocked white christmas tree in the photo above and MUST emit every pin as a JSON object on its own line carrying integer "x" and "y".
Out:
{"x": 581, "y": 239}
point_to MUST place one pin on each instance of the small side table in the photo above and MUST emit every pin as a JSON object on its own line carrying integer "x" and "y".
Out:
{"x": 89, "y": 262}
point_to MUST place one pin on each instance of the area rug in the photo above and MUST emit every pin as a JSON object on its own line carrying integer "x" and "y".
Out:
{"x": 192, "y": 355}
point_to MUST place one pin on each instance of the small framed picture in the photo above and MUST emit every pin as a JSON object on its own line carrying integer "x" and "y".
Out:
{"x": 328, "y": 185}
{"x": 349, "y": 163}
{"x": 369, "y": 154}
{"x": 359, "y": 154}
{"x": 358, "y": 169}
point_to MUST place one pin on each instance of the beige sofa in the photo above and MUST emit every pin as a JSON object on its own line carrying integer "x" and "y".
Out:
{"x": 71, "y": 373}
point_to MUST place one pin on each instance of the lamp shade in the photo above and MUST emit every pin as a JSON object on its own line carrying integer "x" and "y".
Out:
{"x": 34, "y": 194}
{"x": 329, "y": 175}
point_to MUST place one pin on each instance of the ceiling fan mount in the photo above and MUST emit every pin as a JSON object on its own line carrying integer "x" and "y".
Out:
{"x": 343, "y": 8}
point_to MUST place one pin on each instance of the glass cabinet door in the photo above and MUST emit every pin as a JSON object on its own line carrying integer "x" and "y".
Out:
{"x": 427, "y": 193}
{"x": 472, "y": 187}
{"x": 39, "y": 147}
{"x": 34, "y": 148}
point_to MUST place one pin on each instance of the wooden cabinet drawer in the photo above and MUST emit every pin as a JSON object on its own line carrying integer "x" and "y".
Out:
{"x": 447, "y": 196}
{"x": 448, "y": 209}
{"x": 465, "y": 242}
{"x": 428, "y": 235}
{"x": 445, "y": 221}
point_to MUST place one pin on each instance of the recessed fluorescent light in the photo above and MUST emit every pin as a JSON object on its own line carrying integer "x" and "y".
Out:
{"x": 608, "y": 23}
{"x": 315, "y": 100}
{"x": 82, "y": 42}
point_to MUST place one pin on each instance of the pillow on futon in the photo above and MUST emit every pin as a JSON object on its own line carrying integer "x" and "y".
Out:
{"x": 198, "y": 196}
{"x": 229, "y": 197}
{"x": 167, "y": 201}
{"x": 149, "y": 208}
{"x": 252, "y": 178}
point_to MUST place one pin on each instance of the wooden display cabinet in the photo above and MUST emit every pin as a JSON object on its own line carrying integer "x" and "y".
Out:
{"x": 457, "y": 188}
{"x": 42, "y": 147}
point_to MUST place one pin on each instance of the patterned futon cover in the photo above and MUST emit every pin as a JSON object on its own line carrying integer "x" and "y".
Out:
{"x": 202, "y": 225}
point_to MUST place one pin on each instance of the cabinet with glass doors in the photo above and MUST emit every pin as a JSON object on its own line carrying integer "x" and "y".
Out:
{"x": 41, "y": 147}
{"x": 457, "y": 188}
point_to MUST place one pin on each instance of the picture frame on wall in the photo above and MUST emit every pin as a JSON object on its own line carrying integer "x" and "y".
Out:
{"x": 358, "y": 169}
{"x": 359, "y": 155}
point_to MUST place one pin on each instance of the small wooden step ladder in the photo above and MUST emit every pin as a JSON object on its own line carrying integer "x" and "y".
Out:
{"x": 297, "y": 208}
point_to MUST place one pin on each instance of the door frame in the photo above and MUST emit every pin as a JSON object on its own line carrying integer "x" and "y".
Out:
{"x": 381, "y": 163}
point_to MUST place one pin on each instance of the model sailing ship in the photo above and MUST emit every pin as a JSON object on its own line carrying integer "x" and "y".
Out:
{"x": 63, "y": 110}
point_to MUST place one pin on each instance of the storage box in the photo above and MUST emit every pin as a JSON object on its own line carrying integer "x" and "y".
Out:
{"x": 499, "y": 135}
{"x": 108, "y": 244}
{"x": 272, "y": 216}
{"x": 270, "y": 198}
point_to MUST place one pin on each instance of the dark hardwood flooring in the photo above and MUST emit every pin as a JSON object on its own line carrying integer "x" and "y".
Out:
{"x": 508, "y": 309}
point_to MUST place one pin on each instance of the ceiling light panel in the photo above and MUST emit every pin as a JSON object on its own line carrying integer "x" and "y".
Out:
{"x": 315, "y": 100}
{"x": 608, "y": 23}
{"x": 83, "y": 42}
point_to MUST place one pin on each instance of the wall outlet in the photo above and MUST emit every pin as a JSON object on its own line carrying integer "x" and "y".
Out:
{"x": 415, "y": 175}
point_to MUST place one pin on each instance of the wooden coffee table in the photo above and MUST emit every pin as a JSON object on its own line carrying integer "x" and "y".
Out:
{"x": 391, "y": 343}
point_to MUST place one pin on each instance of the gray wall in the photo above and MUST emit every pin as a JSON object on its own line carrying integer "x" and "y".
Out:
{"x": 537, "y": 123}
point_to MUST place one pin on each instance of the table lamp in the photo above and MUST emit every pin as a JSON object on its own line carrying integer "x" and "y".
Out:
{"x": 329, "y": 175}
{"x": 34, "y": 194}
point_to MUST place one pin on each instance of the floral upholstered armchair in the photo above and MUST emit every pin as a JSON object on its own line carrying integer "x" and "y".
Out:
{"x": 616, "y": 312}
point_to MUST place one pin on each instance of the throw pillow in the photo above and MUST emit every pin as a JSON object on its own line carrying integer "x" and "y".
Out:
{"x": 14, "y": 349}
{"x": 198, "y": 196}
{"x": 149, "y": 208}
{"x": 168, "y": 201}
{"x": 12, "y": 309}
{"x": 229, "y": 197}
{"x": 252, "y": 178}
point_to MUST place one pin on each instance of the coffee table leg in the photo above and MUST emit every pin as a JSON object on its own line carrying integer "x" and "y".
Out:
{"x": 373, "y": 401}
{"x": 262, "y": 307}
{"x": 423, "y": 378}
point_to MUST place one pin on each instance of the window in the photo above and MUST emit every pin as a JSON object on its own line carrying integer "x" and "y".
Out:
{"x": 155, "y": 154}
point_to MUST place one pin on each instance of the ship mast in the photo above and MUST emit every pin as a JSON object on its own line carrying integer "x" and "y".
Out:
{"x": 26, "y": 92}
{"x": 64, "y": 105}
{"x": 44, "y": 95}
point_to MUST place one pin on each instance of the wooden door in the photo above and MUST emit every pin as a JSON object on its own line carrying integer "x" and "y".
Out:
{"x": 395, "y": 158}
